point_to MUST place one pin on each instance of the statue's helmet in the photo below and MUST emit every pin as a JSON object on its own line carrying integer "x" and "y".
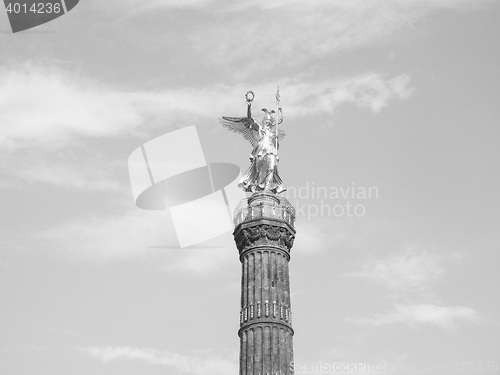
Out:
{"x": 268, "y": 118}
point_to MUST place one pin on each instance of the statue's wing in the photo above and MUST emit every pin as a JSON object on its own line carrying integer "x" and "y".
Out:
{"x": 244, "y": 126}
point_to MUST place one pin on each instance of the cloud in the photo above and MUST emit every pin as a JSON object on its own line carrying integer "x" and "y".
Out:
{"x": 411, "y": 270}
{"x": 105, "y": 238}
{"x": 411, "y": 275}
{"x": 205, "y": 261}
{"x": 368, "y": 90}
{"x": 204, "y": 363}
{"x": 52, "y": 108}
{"x": 139, "y": 235}
{"x": 219, "y": 5}
{"x": 137, "y": 7}
{"x": 45, "y": 107}
{"x": 68, "y": 174}
{"x": 315, "y": 234}
{"x": 50, "y": 118}
{"x": 254, "y": 37}
{"x": 357, "y": 4}
{"x": 446, "y": 317}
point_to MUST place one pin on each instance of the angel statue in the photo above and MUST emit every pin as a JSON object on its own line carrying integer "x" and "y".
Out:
{"x": 262, "y": 175}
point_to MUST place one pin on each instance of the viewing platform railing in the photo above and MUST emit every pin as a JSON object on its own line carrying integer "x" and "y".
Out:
{"x": 264, "y": 206}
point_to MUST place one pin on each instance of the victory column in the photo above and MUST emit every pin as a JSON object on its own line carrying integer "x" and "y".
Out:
{"x": 264, "y": 233}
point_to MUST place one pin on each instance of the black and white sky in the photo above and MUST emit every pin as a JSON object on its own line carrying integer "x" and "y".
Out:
{"x": 397, "y": 96}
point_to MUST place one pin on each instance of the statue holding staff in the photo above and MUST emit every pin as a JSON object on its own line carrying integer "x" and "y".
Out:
{"x": 262, "y": 175}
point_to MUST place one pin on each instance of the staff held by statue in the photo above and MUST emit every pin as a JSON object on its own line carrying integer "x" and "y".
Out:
{"x": 277, "y": 116}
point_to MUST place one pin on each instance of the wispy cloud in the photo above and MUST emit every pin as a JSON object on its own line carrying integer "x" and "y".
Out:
{"x": 70, "y": 173}
{"x": 202, "y": 363}
{"x": 105, "y": 238}
{"x": 138, "y": 235}
{"x": 411, "y": 270}
{"x": 257, "y": 36}
{"x": 45, "y": 107}
{"x": 221, "y": 5}
{"x": 52, "y": 108}
{"x": 410, "y": 277}
{"x": 368, "y": 90}
{"x": 49, "y": 118}
{"x": 205, "y": 261}
{"x": 446, "y": 317}
{"x": 315, "y": 234}
{"x": 136, "y": 7}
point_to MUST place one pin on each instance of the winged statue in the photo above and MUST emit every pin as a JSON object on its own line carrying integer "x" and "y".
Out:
{"x": 264, "y": 136}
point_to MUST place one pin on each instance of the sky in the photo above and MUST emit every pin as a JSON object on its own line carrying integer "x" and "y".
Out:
{"x": 391, "y": 160}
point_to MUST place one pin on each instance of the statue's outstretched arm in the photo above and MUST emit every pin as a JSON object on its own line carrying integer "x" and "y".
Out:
{"x": 249, "y": 121}
{"x": 249, "y": 109}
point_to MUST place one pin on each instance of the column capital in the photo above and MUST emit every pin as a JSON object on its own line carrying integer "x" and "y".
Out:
{"x": 264, "y": 219}
{"x": 264, "y": 233}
